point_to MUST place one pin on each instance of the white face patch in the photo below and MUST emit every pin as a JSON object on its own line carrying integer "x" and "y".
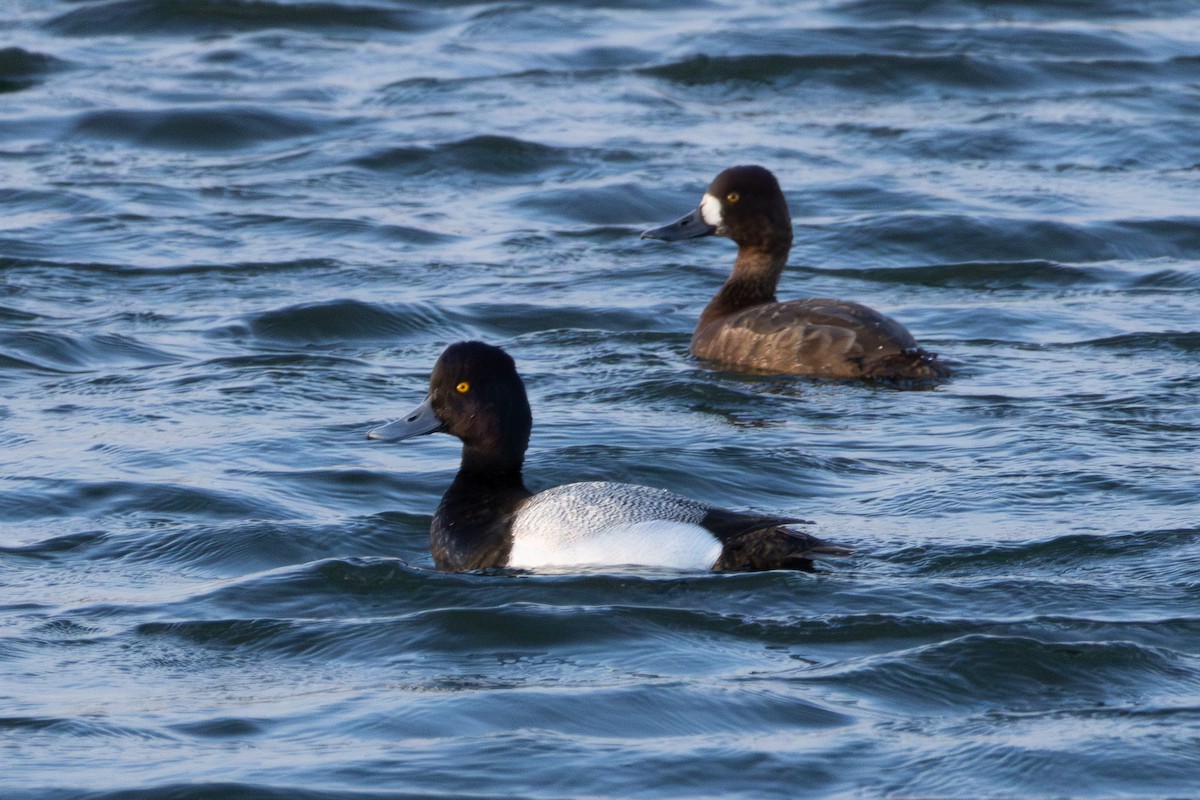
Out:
{"x": 710, "y": 210}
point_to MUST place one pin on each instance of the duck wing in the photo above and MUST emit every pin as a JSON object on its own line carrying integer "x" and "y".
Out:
{"x": 816, "y": 336}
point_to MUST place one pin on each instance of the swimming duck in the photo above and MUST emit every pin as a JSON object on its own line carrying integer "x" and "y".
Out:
{"x": 743, "y": 326}
{"x": 487, "y": 518}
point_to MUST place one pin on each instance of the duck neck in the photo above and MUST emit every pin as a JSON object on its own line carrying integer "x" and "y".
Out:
{"x": 470, "y": 529}
{"x": 753, "y": 280}
{"x": 471, "y": 483}
{"x": 491, "y": 465}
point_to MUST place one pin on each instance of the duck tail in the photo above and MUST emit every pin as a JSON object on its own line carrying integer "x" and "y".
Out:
{"x": 913, "y": 364}
{"x": 778, "y": 547}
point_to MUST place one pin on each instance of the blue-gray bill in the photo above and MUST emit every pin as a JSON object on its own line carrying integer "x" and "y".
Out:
{"x": 689, "y": 227}
{"x": 420, "y": 421}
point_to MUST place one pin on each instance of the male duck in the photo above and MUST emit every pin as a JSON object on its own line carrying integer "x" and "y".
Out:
{"x": 487, "y": 518}
{"x": 744, "y": 326}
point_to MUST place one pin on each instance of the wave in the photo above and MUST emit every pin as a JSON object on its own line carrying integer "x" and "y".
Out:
{"x": 21, "y": 69}
{"x": 1024, "y": 275}
{"x": 924, "y": 65}
{"x": 1020, "y": 672}
{"x": 1165, "y": 237}
{"x": 351, "y": 320}
{"x": 612, "y": 204}
{"x": 501, "y": 156}
{"x": 983, "y": 275}
{"x": 1006, "y": 11}
{"x": 1169, "y": 279}
{"x": 884, "y": 72}
{"x": 104, "y": 269}
{"x": 1069, "y": 551}
{"x": 59, "y": 200}
{"x": 194, "y": 128}
{"x": 54, "y": 498}
{"x": 1143, "y": 571}
{"x": 1147, "y": 341}
{"x": 227, "y": 790}
{"x": 1034, "y": 248}
{"x": 48, "y": 351}
{"x": 658, "y": 602}
{"x": 210, "y": 17}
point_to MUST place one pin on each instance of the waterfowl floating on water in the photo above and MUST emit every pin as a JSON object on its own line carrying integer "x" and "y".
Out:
{"x": 488, "y": 518}
{"x": 745, "y": 327}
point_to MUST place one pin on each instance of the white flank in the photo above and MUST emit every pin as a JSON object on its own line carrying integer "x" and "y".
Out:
{"x": 657, "y": 543}
{"x": 710, "y": 210}
{"x": 611, "y": 524}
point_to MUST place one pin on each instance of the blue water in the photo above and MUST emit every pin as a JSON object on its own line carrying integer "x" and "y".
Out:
{"x": 235, "y": 235}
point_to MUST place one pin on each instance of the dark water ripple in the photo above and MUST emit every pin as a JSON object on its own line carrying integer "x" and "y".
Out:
{"x": 20, "y": 69}
{"x": 237, "y": 234}
{"x": 191, "y": 129}
{"x": 208, "y": 17}
{"x": 495, "y": 155}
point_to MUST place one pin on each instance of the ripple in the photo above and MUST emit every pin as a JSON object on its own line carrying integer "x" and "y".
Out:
{"x": 230, "y": 548}
{"x": 75, "y": 727}
{"x": 215, "y": 128}
{"x": 1021, "y": 673}
{"x": 208, "y": 17}
{"x": 613, "y": 205}
{"x": 20, "y": 69}
{"x": 978, "y": 238}
{"x": 1156, "y": 238}
{"x": 321, "y": 229}
{"x": 223, "y": 790}
{"x": 875, "y": 72}
{"x": 67, "y": 498}
{"x": 1188, "y": 279}
{"x": 1059, "y": 553}
{"x": 984, "y": 275}
{"x": 36, "y": 202}
{"x": 350, "y": 320}
{"x": 1009, "y": 10}
{"x": 84, "y": 270}
{"x": 49, "y": 548}
{"x": 1147, "y": 341}
{"x": 658, "y": 602}
{"x": 497, "y": 156}
{"x": 61, "y": 352}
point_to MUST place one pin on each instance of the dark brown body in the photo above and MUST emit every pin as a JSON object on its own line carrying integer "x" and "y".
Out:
{"x": 818, "y": 336}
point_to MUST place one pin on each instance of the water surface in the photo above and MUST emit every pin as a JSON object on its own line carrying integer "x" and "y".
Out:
{"x": 237, "y": 234}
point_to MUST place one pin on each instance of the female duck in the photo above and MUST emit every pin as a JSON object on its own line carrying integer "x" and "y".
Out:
{"x": 744, "y": 327}
{"x": 487, "y": 518}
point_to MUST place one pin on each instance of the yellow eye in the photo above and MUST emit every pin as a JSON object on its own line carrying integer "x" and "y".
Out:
{"x": 733, "y": 197}
{"x": 463, "y": 387}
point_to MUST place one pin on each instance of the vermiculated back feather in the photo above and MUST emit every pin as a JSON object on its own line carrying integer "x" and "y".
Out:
{"x": 584, "y": 508}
